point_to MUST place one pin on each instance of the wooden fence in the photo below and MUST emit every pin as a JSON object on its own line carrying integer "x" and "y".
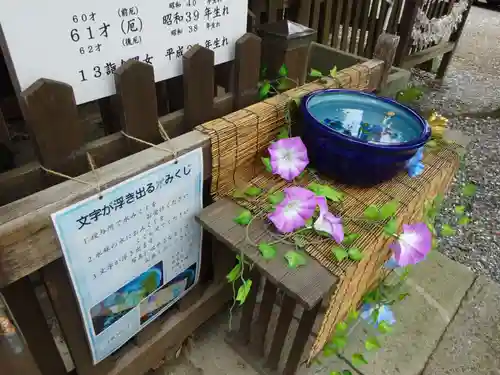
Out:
{"x": 355, "y": 25}
{"x": 33, "y": 277}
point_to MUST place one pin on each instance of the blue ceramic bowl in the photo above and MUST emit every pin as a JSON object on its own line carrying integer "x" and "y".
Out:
{"x": 358, "y": 138}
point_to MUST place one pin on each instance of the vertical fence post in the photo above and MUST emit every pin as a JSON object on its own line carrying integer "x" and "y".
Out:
{"x": 455, "y": 37}
{"x": 406, "y": 26}
{"x": 385, "y": 50}
{"x": 198, "y": 68}
{"x": 136, "y": 93}
{"x": 281, "y": 46}
{"x": 247, "y": 70}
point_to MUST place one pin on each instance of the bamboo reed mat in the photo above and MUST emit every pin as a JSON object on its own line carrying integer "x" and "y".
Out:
{"x": 240, "y": 139}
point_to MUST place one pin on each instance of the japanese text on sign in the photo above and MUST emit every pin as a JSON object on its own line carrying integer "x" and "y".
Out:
{"x": 134, "y": 251}
{"x": 83, "y": 43}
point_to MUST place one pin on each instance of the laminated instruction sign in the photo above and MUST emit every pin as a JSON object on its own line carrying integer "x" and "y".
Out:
{"x": 134, "y": 250}
{"x": 82, "y": 43}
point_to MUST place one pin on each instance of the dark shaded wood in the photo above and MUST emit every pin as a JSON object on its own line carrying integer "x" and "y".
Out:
{"x": 23, "y": 303}
{"x": 254, "y": 359}
{"x": 406, "y": 26}
{"x": 27, "y": 237}
{"x": 454, "y": 38}
{"x": 136, "y": 92}
{"x": 371, "y": 40}
{"x": 304, "y": 12}
{"x": 66, "y": 308}
{"x": 284, "y": 320}
{"x": 224, "y": 77}
{"x": 336, "y": 23}
{"x": 225, "y": 260}
{"x": 385, "y": 50}
{"x": 365, "y": 10}
{"x": 247, "y": 70}
{"x": 13, "y": 363}
{"x": 272, "y": 10}
{"x": 110, "y": 115}
{"x": 175, "y": 93}
{"x": 161, "y": 98}
{"x": 248, "y": 307}
{"x": 394, "y": 17}
{"x": 262, "y": 322}
{"x": 358, "y": 8}
{"x": 427, "y": 54}
{"x": 347, "y": 21}
{"x": 301, "y": 337}
{"x": 52, "y": 116}
{"x": 327, "y": 22}
{"x": 306, "y": 284}
{"x": 29, "y": 179}
{"x": 4, "y": 132}
{"x": 379, "y": 25}
{"x": 198, "y": 68}
{"x": 314, "y": 23}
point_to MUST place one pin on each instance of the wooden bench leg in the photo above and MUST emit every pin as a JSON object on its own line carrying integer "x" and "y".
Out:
{"x": 248, "y": 307}
{"x": 284, "y": 321}
{"x": 299, "y": 343}
{"x": 265, "y": 311}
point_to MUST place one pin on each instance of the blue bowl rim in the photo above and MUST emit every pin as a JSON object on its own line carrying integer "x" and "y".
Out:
{"x": 424, "y": 136}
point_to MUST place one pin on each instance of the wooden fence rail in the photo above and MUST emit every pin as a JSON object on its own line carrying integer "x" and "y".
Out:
{"x": 28, "y": 245}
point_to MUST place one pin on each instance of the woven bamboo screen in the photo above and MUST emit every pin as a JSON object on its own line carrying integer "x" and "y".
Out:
{"x": 241, "y": 138}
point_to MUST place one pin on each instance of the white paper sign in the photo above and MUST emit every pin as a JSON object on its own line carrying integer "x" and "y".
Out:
{"x": 134, "y": 252}
{"x": 83, "y": 42}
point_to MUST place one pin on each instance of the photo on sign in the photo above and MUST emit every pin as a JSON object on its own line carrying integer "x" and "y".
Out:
{"x": 118, "y": 304}
{"x": 172, "y": 290}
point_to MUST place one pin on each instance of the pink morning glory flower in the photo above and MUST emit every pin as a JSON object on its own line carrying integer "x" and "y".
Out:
{"x": 413, "y": 244}
{"x": 297, "y": 207}
{"x": 288, "y": 157}
{"x": 327, "y": 222}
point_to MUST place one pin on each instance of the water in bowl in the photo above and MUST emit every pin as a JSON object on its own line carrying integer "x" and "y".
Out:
{"x": 365, "y": 117}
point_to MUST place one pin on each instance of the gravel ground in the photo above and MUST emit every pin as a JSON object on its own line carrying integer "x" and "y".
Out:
{"x": 470, "y": 97}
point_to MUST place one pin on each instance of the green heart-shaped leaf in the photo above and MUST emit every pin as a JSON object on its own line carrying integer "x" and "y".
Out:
{"x": 243, "y": 218}
{"x": 469, "y": 190}
{"x": 340, "y": 253}
{"x": 391, "y": 227}
{"x": 388, "y": 209}
{"x": 253, "y": 191}
{"x": 353, "y": 315}
{"x": 358, "y": 360}
{"x": 372, "y": 212}
{"x": 339, "y": 342}
{"x": 464, "y": 220}
{"x": 295, "y": 259}
{"x": 264, "y": 90}
{"x": 283, "y": 133}
{"x": 268, "y": 251}
{"x": 341, "y": 328}
{"x": 384, "y": 327}
{"x": 447, "y": 231}
{"x": 277, "y": 197}
{"x": 315, "y": 73}
{"x": 234, "y": 273}
{"x": 267, "y": 164}
{"x": 459, "y": 210}
{"x": 355, "y": 254}
{"x": 283, "y": 72}
{"x": 350, "y": 238}
{"x": 372, "y": 344}
{"x": 243, "y": 291}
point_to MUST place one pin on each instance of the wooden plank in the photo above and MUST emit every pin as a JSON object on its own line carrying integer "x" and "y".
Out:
{"x": 4, "y": 132}
{"x": 27, "y": 237}
{"x": 161, "y": 98}
{"x": 316, "y": 12}
{"x": 198, "y": 69}
{"x": 262, "y": 323}
{"x": 60, "y": 290}
{"x": 355, "y": 27}
{"x": 23, "y": 303}
{"x": 279, "y": 336}
{"x": 175, "y": 93}
{"x": 427, "y": 54}
{"x": 52, "y": 119}
{"x": 246, "y": 320}
{"x": 108, "y": 107}
{"x": 385, "y": 50}
{"x": 365, "y": 10}
{"x": 336, "y": 23}
{"x": 301, "y": 337}
{"x": 370, "y": 41}
{"x": 327, "y": 22}
{"x": 27, "y": 179}
{"x": 272, "y": 10}
{"x": 394, "y": 17}
{"x": 347, "y": 21}
{"x": 136, "y": 92}
{"x": 379, "y": 26}
{"x": 247, "y": 70}
{"x": 306, "y": 284}
{"x": 406, "y": 26}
